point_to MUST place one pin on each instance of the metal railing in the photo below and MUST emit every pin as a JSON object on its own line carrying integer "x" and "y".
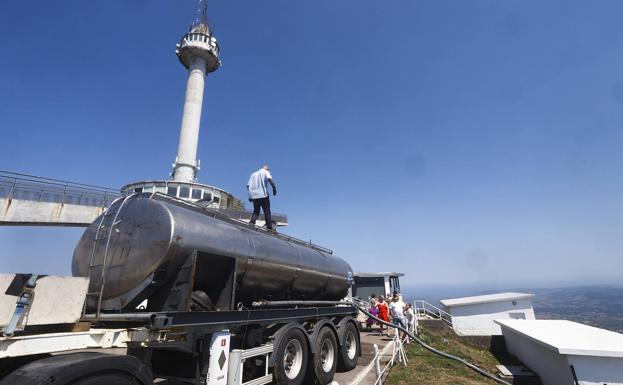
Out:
{"x": 35, "y": 188}
{"x": 201, "y": 38}
{"x": 398, "y": 355}
{"x": 425, "y": 309}
{"x": 246, "y": 215}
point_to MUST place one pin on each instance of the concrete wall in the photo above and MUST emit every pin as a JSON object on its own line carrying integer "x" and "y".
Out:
{"x": 593, "y": 370}
{"x": 551, "y": 367}
{"x": 555, "y": 369}
{"x": 51, "y": 293}
{"x": 19, "y": 211}
{"x": 477, "y": 319}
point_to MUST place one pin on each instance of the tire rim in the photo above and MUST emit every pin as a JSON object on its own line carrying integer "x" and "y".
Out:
{"x": 327, "y": 355}
{"x": 293, "y": 359}
{"x": 351, "y": 345}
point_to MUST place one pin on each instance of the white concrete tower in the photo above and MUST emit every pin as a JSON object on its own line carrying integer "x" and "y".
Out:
{"x": 198, "y": 51}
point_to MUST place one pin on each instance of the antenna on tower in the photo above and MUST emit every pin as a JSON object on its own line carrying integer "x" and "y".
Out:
{"x": 201, "y": 23}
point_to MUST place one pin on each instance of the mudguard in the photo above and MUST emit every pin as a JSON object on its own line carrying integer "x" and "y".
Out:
{"x": 65, "y": 368}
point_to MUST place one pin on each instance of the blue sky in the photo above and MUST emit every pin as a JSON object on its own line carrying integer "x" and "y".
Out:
{"x": 462, "y": 142}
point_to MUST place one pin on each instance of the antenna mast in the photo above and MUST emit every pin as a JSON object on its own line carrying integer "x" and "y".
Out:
{"x": 202, "y": 14}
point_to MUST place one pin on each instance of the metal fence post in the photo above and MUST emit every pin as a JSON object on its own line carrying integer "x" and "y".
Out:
{"x": 64, "y": 195}
{"x": 377, "y": 362}
{"x": 12, "y": 190}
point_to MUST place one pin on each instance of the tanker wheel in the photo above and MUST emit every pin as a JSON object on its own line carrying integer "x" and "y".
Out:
{"x": 201, "y": 301}
{"x": 107, "y": 379}
{"x": 349, "y": 351}
{"x": 325, "y": 359}
{"x": 291, "y": 358}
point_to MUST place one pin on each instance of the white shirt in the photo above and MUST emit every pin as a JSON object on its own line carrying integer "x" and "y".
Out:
{"x": 397, "y": 307}
{"x": 410, "y": 315}
{"x": 258, "y": 184}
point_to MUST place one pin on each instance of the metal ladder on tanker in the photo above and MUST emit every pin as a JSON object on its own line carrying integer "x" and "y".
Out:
{"x": 106, "y": 224}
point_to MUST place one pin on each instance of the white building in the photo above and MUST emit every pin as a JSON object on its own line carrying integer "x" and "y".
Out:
{"x": 555, "y": 349}
{"x": 380, "y": 283}
{"x": 474, "y": 316}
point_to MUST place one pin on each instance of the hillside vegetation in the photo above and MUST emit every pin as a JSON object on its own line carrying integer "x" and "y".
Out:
{"x": 428, "y": 368}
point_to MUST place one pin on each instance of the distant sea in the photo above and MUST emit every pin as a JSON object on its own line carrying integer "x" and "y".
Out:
{"x": 594, "y": 305}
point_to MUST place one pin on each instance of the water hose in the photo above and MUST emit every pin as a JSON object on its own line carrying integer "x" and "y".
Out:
{"x": 432, "y": 349}
{"x": 365, "y": 311}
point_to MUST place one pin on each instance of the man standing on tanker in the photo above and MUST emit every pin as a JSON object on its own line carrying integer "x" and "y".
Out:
{"x": 258, "y": 194}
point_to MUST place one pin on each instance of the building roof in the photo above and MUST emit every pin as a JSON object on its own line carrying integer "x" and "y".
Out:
{"x": 484, "y": 299}
{"x": 567, "y": 337}
{"x": 380, "y": 274}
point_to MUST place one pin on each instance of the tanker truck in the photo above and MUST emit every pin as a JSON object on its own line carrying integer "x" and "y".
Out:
{"x": 168, "y": 290}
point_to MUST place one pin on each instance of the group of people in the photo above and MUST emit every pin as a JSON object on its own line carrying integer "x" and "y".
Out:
{"x": 401, "y": 313}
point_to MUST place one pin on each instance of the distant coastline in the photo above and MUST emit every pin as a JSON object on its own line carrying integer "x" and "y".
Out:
{"x": 595, "y": 305}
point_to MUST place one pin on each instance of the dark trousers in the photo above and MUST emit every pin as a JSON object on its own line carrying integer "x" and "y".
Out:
{"x": 264, "y": 203}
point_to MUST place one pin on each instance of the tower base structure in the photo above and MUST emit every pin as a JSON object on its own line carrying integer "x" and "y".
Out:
{"x": 202, "y": 194}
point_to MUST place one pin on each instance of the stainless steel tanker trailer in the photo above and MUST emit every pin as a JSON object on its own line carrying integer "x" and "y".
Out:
{"x": 188, "y": 294}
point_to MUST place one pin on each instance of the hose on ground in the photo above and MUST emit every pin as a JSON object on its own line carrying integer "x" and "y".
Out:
{"x": 432, "y": 349}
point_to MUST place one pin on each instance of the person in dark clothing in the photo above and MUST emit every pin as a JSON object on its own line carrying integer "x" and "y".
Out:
{"x": 257, "y": 188}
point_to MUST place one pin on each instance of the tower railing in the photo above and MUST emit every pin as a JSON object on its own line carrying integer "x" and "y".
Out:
{"x": 35, "y": 188}
{"x": 200, "y": 37}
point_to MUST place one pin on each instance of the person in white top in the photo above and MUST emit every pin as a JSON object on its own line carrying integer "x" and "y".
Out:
{"x": 396, "y": 308}
{"x": 411, "y": 320}
{"x": 257, "y": 188}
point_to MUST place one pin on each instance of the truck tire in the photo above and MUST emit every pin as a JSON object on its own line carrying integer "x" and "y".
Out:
{"x": 324, "y": 363}
{"x": 291, "y": 358}
{"x": 350, "y": 348}
{"x": 84, "y": 368}
{"x": 201, "y": 301}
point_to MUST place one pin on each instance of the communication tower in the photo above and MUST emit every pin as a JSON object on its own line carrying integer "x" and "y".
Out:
{"x": 198, "y": 51}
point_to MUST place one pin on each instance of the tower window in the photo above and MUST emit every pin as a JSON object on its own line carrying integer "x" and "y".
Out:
{"x": 184, "y": 191}
{"x": 160, "y": 187}
{"x": 196, "y": 194}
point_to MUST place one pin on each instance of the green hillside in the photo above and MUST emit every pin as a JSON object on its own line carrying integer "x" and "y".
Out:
{"x": 428, "y": 368}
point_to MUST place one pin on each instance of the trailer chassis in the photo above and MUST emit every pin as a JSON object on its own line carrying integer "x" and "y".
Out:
{"x": 226, "y": 347}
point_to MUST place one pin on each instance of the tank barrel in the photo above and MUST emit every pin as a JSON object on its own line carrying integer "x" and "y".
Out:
{"x": 153, "y": 245}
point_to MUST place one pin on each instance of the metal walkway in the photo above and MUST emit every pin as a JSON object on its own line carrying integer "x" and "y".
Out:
{"x": 35, "y": 201}
{"x": 28, "y": 200}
